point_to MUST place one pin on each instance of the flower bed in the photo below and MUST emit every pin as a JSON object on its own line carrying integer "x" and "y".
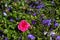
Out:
{"x": 29, "y": 20}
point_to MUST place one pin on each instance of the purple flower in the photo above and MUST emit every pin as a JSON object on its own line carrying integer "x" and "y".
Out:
{"x": 9, "y": 9}
{"x": 58, "y": 38}
{"x": 11, "y": 19}
{"x": 46, "y": 22}
{"x": 40, "y": 6}
{"x": 31, "y": 36}
{"x": 52, "y": 33}
{"x": 32, "y": 4}
{"x": 51, "y": 29}
{"x": 34, "y": 14}
{"x": 33, "y": 22}
{"x": 56, "y": 24}
{"x": 17, "y": 18}
{"x": 36, "y": 5}
{"x": 5, "y": 38}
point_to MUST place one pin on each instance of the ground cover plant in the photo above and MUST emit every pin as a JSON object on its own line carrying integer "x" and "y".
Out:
{"x": 29, "y": 19}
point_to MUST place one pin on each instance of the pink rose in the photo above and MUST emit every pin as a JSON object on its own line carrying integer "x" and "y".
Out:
{"x": 23, "y": 25}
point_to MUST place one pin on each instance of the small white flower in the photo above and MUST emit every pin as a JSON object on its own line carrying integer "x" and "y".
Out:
{"x": 6, "y": 5}
{"x": 4, "y": 13}
{"x": 51, "y": 33}
{"x": 45, "y": 33}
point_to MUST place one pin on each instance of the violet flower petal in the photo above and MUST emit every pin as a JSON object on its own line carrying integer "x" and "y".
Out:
{"x": 31, "y": 36}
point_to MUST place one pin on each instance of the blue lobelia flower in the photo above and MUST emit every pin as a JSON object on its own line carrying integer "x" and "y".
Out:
{"x": 5, "y": 38}
{"x": 56, "y": 24}
{"x": 11, "y": 19}
{"x": 31, "y": 36}
{"x": 17, "y": 18}
{"x": 33, "y": 22}
{"x": 46, "y": 22}
{"x": 40, "y": 6}
{"x": 50, "y": 28}
{"x": 34, "y": 14}
{"x": 58, "y": 38}
{"x": 52, "y": 33}
{"x": 9, "y": 9}
{"x": 36, "y": 5}
{"x": 32, "y": 4}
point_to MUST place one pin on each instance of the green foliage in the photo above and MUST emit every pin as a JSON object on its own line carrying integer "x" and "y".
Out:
{"x": 18, "y": 11}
